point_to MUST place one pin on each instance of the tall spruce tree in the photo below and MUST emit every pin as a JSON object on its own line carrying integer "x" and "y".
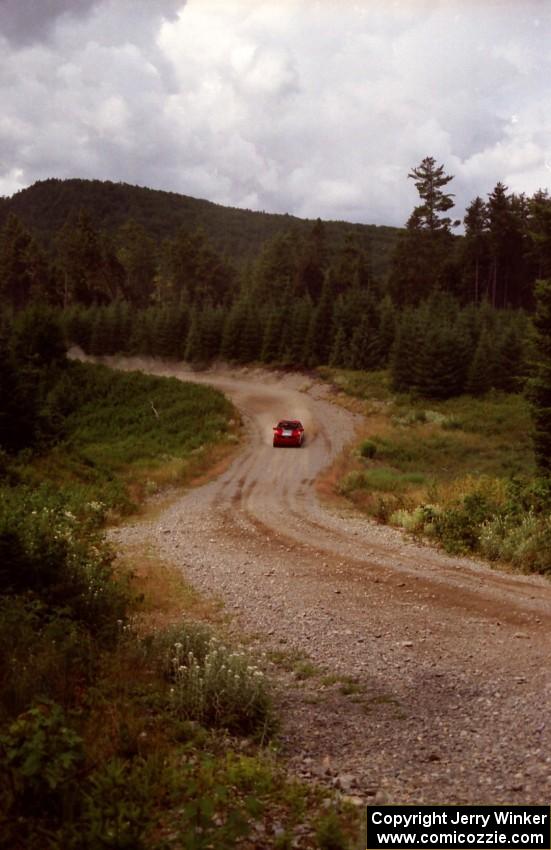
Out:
{"x": 475, "y": 250}
{"x": 421, "y": 259}
{"x": 430, "y": 181}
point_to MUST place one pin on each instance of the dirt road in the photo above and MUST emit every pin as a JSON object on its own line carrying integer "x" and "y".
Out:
{"x": 434, "y": 679}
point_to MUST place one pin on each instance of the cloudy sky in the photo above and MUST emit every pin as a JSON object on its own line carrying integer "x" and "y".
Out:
{"x": 312, "y": 107}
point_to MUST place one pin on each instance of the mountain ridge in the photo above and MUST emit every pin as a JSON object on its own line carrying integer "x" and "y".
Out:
{"x": 235, "y": 232}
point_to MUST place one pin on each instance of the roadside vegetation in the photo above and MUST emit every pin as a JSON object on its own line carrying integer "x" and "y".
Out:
{"x": 126, "y": 719}
{"x": 461, "y": 471}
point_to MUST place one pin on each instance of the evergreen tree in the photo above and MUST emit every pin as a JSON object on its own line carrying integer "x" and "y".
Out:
{"x": 102, "y": 337}
{"x": 232, "y": 329}
{"x": 475, "y": 250}
{"x": 429, "y": 181}
{"x": 191, "y": 271}
{"x": 272, "y": 338}
{"x": 193, "y": 350}
{"x": 89, "y": 269}
{"x": 136, "y": 254}
{"x": 481, "y": 376}
{"x": 275, "y": 277}
{"x": 421, "y": 258}
{"x": 18, "y": 409}
{"x": 15, "y": 273}
{"x": 312, "y": 262}
{"x": 350, "y": 268}
{"x": 500, "y": 226}
{"x": 387, "y": 328}
{"x": 299, "y": 322}
{"x": 405, "y": 350}
{"x": 540, "y": 384}
{"x": 338, "y": 355}
{"x": 538, "y": 231}
{"x": 37, "y": 338}
{"x": 510, "y": 361}
{"x": 365, "y": 346}
{"x": 251, "y": 335}
{"x": 212, "y": 324}
{"x": 319, "y": 339}
{"x": 441, "y": 371}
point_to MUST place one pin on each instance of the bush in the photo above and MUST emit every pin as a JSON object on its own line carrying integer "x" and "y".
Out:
{"x": 368, "y": 449}
{"x": 458, "y": 527}
{"x": 214, "y": 685}
{"x": 525, "y": 543}
{"x": 48, "y": 554}
{"x": 45, "y": 655}
{"x": 40, "y": 756}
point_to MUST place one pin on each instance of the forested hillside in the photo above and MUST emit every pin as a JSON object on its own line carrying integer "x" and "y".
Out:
{"x": 237, "y": 234}
{"x": 141, "y": 271}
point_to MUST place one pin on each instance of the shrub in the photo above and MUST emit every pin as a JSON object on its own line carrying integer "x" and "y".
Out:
{"x": 525, "y": 543}
{"x": 458, "y": 526}
{"x": 215, "y": 685}
{"x": 368, "y": 449}
{"x": 47, "y": 554}
{"x": 40, "y": 756}
{"x": 45, "y": 655}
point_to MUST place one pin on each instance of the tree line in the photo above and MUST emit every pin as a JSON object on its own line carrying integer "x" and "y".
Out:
{"x": 451, "y": 315}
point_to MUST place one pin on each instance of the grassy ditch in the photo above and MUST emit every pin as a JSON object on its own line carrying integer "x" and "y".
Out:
{"x": 124, "y": 721}
{"x": 460, "y": 472}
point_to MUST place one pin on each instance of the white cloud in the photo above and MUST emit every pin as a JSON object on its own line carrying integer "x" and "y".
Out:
{"x": 308, "y": 106}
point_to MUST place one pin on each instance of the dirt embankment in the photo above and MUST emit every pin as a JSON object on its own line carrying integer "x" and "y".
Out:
{"x": 430, "y": 676}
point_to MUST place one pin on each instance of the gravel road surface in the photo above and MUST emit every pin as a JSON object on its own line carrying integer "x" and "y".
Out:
{"x": 431, "y": 675}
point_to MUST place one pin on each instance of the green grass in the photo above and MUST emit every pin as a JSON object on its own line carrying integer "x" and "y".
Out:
{"x": 461, "y": 471}
{"x": 125, "y": 435}
{"x": 362, "y": 385}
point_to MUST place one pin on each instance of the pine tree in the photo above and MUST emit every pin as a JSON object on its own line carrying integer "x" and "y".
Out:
{"x": 136, "y": 254}
{"x": 273, "y": 330}
{"x": 350, "y": 269}
{"x": 483, "y": 367}
{"x": 441, "y": 368}
{"x": 299, "y": 322}
{"x": 312, "y": 262}
{"x": 430, "y": 181}
{"x": 338, "y": 355}
{"x": 193, "y": 352}
{"x": 80, "y": 260}
{"x": 475, "y": 250}
{"x": 387, "y": 328}
{"x": 421, "y": 259}
{"x": 405, "y": 350}
{"x": 251, "y": 335}
{"x": 319, "y": 339}
{"x": 510, "y": 361}
{"x": 539, "y": 235}
{"x": 229, "y": 348}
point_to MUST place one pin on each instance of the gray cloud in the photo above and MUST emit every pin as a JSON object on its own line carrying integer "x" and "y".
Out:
{"x": 315, "y": 108}
{"x": 25, "y": 21}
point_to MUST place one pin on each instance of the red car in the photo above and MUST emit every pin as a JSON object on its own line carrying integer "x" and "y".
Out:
{"x": 288, "y": 432}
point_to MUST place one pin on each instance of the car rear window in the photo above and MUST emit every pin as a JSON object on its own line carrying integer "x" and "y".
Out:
{"x": 288, "y": 423}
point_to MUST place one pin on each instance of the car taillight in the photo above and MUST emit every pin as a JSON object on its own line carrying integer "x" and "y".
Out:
{"x": 296, "y": 433}
{"x": 279, "y": 431}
